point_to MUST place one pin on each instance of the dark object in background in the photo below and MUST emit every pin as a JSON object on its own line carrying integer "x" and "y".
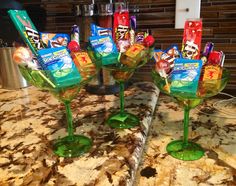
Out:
{"x": 8, "y": 32}
{"x": 38, "y": 16}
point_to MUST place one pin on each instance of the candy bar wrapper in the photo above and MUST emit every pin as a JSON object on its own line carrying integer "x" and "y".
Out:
{"x": 171, "y": 54}
{"x": 100, "y": 31}
{"x": 31, "y": 37}
{"x": 185, "y": 76}
{"x": 207, "y": 50}
{"x": 133, "y": 25}
{"x": 104, "y": 49}
{"x": 75, "y": 34}
{"x": 27, "y": 30}
{"x": 53, "y": 40}
{"x": 191, "y": 45}
{"x": 59, "y": 66}
{"x": 139, "y": 38}
{"x": 84, "y": 64}
{"x": 121, "y": 26}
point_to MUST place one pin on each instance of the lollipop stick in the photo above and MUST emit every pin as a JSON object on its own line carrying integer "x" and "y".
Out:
{"x": 167, "y": 85}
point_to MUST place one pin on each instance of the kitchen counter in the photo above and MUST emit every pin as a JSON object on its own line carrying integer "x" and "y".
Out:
{"x": 215, "y": 132}
{"x": 31, "y": 120}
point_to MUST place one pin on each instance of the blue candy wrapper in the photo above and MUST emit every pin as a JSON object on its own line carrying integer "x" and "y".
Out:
{"x": 104, "y": 48}
{"x": 185, "y": 76}
{"x": 53, "y": 40}
{"x": 100, "y": 31}
{"x": 59, "y": 66}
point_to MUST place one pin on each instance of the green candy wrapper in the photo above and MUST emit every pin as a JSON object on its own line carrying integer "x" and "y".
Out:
{"x": 26, "y": 29}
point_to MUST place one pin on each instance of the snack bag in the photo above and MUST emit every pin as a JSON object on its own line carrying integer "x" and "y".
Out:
{"x": 185, "y": 76}
{"x": 100, "y": 31}
{"x": 104, "y": 48}
{"x": 53, "y": 40}
{"x": 26, "y": 29}
{"x": 191, "y": 45}
{"x": 59, "y": 66}
{"x": 121, "y": 28}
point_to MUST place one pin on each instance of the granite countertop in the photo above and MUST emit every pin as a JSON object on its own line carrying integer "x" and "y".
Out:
{"x": 30, "y": 120}
{"x": 215, "y": 132}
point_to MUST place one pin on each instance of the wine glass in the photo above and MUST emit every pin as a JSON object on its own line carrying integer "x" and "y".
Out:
{"x": 185, "y": 149}
{"x": 71, "y": 145}
{"x": 121, "y": 73}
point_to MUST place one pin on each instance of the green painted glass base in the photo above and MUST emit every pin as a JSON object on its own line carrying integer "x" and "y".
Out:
{"x": 187, "y": 152}
{"x": 72, "y": 146}
{"x": 123, "y": 121}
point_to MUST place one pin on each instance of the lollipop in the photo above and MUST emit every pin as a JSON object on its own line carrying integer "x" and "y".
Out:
{"x": 23, "y": 56}
{"x": 163, "y": 68}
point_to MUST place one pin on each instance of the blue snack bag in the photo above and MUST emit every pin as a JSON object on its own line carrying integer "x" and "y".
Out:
{"x": 185, "y": 76}
{"x": 100, "y": 31}
{"x": 53, "y": 40}
{"x": 59, "y": 66}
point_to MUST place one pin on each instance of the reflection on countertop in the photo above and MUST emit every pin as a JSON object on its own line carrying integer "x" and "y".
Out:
{"x": 30, "y": 120}
{"x": 215, "y": 132}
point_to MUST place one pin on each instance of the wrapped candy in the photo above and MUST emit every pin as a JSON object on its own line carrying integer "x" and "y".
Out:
{"x": 100, "y": 31}
{"x": 52, "y": 40}
{"x": 104, "y": 49}
{"x": 133, "y": 25}
{"x": 140, "y": 37}
{"x": 59, "y": 66}
{"x": 75, "y": 34}
{"x": 168, "y": 55}
{"x": 207, "y": 50}
{"x": 74, "y": 44}
{"x": 26, "y": 29}
{"x": 163, "y": 68}
{"x": 191, "y": 45}
{"x": 23, "y": 56}
{"x": 185, "y": 76}
{"x": 121, "y": 28}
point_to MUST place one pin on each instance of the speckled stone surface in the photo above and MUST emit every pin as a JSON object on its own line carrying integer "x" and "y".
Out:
{"x": 215, "y": 133}
{"x": 31, "y": 120}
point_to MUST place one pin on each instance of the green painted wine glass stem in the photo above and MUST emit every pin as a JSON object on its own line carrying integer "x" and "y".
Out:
{"x": 70, "y": 129}
{"x": 122, "y": 105}
{"x": 186, "y": 122}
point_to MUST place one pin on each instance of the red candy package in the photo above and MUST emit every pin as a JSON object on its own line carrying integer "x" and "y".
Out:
{"x": 121, "y": 27}
{"x": 191, "y": 45}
